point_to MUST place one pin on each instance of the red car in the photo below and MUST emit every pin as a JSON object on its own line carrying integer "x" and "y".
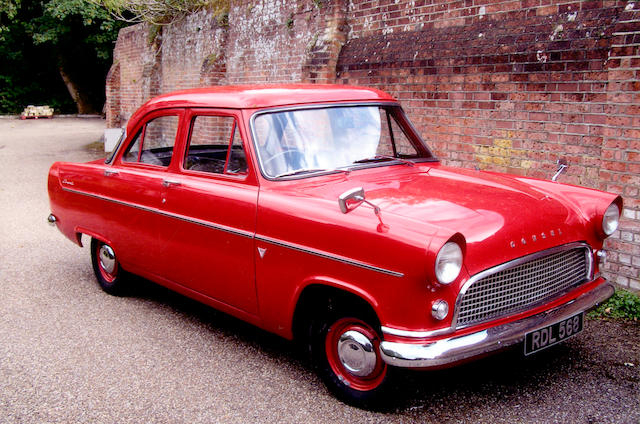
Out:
{"x": 318, "y": 213}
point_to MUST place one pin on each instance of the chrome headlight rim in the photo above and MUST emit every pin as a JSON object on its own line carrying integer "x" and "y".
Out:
{"x": 611, "y": 219}
{"x": 448, "y": 263}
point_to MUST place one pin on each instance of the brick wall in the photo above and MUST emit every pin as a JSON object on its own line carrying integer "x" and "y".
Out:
{"x": 501, "y": 85}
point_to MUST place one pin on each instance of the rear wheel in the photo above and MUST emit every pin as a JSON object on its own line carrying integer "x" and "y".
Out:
{"x": 346, "y": 352}
{"x": 107, "y": 269}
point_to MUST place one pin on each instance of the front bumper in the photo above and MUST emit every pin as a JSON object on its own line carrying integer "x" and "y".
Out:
{"x": 458, "y": 348}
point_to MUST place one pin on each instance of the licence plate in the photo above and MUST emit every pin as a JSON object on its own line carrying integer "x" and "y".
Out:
{"x": 542, "y": 338}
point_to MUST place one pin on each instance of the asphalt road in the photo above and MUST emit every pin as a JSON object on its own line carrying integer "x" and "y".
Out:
{"x": 71, "y": 353}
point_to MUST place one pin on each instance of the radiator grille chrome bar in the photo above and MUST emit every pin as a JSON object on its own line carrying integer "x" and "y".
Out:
{"x": 523, "y": 283}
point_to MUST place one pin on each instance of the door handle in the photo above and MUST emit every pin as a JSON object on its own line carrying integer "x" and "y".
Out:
{"x": 110, "y": 172}
{"x": 170, "y": 183}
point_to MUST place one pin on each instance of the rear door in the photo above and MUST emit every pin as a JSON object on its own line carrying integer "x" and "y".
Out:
{"x": 122, "y": 201}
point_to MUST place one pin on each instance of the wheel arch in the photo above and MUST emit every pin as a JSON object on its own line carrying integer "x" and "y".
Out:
{"x": 79, "y": 231}
{"x": 323, "y": 295}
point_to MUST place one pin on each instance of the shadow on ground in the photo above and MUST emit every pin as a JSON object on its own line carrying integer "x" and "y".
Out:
{"x": 554, "y": 381}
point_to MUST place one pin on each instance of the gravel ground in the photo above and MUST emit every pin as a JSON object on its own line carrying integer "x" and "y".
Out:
{"x": 71, "y": 353}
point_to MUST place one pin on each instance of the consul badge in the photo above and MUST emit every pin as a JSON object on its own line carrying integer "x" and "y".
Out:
{"x": 534, "y": 237}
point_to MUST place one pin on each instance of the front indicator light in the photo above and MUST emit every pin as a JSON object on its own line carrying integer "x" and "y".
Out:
{"x": 440, "y": 309}
{"x": 448, "y": 263}
{"x": 602, "y": 257}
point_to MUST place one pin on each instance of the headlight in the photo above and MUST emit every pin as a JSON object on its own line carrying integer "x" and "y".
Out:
{"x": 610, "y": 219}
{"x": 448, "y": 263}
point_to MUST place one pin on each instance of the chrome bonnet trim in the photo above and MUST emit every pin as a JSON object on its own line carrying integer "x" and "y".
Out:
{"x": 516, "y": 262}
{"x": 459, "y": 348}
{"x": 242, "y": 233}
{"x": 329, "y": 256}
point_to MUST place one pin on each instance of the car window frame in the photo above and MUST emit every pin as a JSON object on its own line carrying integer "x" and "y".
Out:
{"x": 189, "y": 119}
{"x": 139, "y": 129}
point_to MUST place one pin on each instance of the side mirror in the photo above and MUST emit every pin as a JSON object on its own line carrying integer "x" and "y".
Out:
{"x": 351, "y": 199}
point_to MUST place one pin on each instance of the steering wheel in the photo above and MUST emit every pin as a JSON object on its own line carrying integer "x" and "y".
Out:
{"x": 287, "y": 154}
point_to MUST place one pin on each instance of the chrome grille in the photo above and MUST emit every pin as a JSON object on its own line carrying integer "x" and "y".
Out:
{"x": 524, "y": 284}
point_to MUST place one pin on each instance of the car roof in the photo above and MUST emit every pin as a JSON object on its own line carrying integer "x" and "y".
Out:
{"x": 262, "y": 96}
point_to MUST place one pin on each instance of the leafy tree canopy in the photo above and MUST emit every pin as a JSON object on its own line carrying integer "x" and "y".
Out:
{"x": 57, "y": 52}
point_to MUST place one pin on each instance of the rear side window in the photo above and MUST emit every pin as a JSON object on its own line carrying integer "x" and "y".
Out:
{"x": 153, "y": 144}
{"x": 215, "y": 146}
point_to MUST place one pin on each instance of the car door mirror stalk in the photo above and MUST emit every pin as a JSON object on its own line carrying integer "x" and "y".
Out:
{"x": 562, "y": 167}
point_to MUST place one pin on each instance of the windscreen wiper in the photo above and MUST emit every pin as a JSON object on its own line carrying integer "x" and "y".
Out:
{"x": 377, "y": 158}
{"x": 310, "y": 171}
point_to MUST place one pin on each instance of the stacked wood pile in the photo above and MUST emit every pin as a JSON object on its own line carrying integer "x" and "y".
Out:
{"x": 35, "y": 112}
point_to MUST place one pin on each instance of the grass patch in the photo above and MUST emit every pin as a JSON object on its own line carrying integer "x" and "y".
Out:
{"x": 623, "y": 305}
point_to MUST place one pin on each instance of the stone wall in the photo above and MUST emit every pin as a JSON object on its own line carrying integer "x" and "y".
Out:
{"x": 502, "y": 85}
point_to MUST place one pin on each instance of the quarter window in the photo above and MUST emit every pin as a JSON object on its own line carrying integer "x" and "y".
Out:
{"x": 215, "y": 146}
{"x": 153, "y": 144}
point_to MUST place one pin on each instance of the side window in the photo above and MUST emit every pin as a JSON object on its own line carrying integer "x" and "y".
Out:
{"x": 385, "y": 147}
{"x": 215, "y": 146}
{"x": 403, "y": 145}
{"x": 237, "y": 159}
{"x": 154, "y": 143}
{"x": 393, "y": 141}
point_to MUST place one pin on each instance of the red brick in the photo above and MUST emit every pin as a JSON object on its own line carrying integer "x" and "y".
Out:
{"x": 461, "y": 89}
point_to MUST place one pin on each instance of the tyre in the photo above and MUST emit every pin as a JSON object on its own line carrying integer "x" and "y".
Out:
{"x": 107, "y": 269}
{"x": 345, "y": 350}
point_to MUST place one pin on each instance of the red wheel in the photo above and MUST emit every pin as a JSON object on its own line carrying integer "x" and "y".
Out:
{"x": 345, "y": 349}
{"x": 352, "y": 351}
{"x": 106, "y": 267}
{"x": 107, "y": 263}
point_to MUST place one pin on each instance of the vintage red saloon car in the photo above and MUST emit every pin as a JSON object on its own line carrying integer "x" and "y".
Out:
{"x": 318, "y": 213}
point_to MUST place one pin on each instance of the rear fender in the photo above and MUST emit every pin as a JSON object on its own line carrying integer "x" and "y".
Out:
{"x": 81, "y": 230}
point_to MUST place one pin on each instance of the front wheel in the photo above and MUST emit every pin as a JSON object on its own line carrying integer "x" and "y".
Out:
{"x": 107, "y": 269}
{"x": 346, "y": 352}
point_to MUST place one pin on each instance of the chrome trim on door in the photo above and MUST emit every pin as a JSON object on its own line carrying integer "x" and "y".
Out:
{"x": 329, "y": 256}
{"x": 243, "y": 233}
{"x": 207, "y": 224}
{"x": 171, "y": 183}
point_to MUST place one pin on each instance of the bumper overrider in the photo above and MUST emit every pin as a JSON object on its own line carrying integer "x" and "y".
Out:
{"x": 458, "y": 348}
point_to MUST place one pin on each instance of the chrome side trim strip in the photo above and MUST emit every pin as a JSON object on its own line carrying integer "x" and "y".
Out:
{"x": 329, "y": 256}
{"x": 242, "y": 233}
{"x": 247, "y": 234}
{"x": 458, "y": 348}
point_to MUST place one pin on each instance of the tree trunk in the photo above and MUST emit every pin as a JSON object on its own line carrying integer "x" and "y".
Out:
{"x": 81, "y": 101}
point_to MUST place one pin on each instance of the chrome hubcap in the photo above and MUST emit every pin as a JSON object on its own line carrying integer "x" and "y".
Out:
{"x": 356, "y": 353}
{"x": 107, "y": 258}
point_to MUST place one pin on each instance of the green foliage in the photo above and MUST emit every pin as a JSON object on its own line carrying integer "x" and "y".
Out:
{"x": 63, "y": 19}
{"x": 160, "y": 12}
{"x": 39, "y": 40}
{"x": 622, "y": 305}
